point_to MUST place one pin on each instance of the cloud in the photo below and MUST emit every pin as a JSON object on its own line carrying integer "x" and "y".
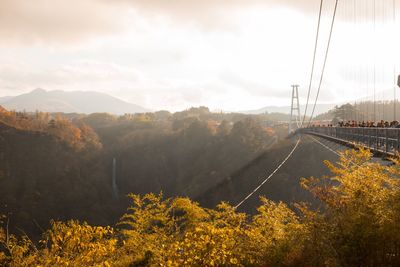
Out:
{"x": 185, "y": 54}
{"x": 71, "y": 21}
{"x": 56, "y": 21}
{"x": 21, "y": 76}
{"x": 206, "y": 13}
{"x": 211, "y": 14}
{"x": 190, "y": 8}
{"x": 253, "y": 87}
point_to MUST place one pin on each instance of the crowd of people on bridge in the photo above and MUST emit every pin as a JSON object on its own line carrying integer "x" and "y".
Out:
{"x": 368, "y": 124}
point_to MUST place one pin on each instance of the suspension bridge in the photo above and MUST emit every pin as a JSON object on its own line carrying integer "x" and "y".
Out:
{"x": 374, "y": 79}
{"x": 361, "y": 128}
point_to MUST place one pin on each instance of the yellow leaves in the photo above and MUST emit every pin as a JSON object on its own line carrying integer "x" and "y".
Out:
{"x": 184, "y": 209}
{"x": 356, "y": 181}
{"x": 275, "y": 232}
{"x": 233, "y": 261}
{"x": 73, "y": 243}
{"x": 189, "y": 234}
{"x": 359, "y": 220}
{"x": 359, "y": 210}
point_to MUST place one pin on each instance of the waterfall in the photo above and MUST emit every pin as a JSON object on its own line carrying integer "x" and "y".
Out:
{"x": 114, "y": 179}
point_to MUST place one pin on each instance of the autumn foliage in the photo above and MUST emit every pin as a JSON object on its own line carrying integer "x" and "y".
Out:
{"x": 78, "y": 136}
{"x": 357, "y": 224}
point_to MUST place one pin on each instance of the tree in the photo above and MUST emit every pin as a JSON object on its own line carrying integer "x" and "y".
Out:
{"x": 361, "y": 211}
{"x": 357, "y": 224}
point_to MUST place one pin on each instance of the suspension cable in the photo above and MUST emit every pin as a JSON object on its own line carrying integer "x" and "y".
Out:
{"x": 313, "y": 62}
{"x": 325, "y": 60}
{"x": 331, "y": 150}
{"x": 394, "y": 65}
{"x": 325, "y": 146}
{"x": 271, "y": 175}
{"x": 354, "y": 68}
{"x": 374, "y": 43}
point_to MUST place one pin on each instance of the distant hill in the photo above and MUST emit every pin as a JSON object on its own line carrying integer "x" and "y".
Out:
{"x": 69, "y": 102}
{"x": 320, "y": 108}
{"x": 4, "y": 99}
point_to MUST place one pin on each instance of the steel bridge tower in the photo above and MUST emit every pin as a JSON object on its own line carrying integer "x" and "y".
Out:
{"x": 295, "y": 107}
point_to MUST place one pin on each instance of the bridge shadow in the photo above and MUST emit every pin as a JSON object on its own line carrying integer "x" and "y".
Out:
{"x": 284, "y": 186}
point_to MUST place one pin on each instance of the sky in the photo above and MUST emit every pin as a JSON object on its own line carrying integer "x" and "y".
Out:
{"x": 174, "y": 54}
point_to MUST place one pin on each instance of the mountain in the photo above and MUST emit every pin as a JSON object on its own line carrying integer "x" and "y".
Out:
{"x": 4, "y": 99}
{"x": 319, "y": 109}
{"x": 70, "y": 102}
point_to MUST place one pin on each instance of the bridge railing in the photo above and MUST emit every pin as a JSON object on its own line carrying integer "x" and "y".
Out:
{"x": 386, "y": 140}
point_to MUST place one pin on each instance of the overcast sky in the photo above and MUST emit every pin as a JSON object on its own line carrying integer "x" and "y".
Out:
{"x": 174, "y": 54}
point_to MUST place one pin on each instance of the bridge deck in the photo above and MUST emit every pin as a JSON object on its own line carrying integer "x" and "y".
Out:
{"x": 381, "y": 141}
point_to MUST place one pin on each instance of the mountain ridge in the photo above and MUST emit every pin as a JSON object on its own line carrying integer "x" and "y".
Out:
{"x": 319, "y": 109}
{"x": 70, "y": 102}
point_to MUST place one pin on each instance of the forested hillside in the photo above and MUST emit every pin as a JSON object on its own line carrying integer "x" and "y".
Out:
{"x": 356, "y": 225}
{"x": 51, "y": 171}
{"x": 59, "y": 166}
{"x": 56, "y": 174}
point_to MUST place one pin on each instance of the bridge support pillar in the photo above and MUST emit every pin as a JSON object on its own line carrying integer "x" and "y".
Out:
{"x": 294, "y": 107}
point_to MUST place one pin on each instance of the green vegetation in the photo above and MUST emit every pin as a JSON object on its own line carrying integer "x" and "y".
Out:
{"x": 356, "y": 225}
